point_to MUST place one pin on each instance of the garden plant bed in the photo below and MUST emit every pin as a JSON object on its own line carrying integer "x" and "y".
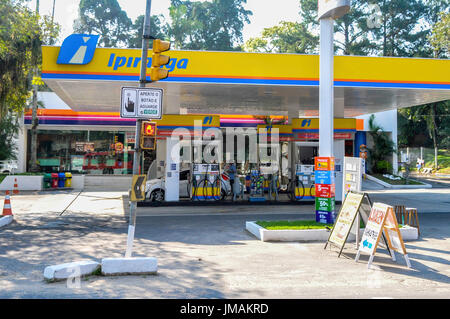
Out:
{"x": 306, "y": 230}
{"x": 293, "y": 225}
{"x": 401, "y": 181}
{"x": 396, "y": 184}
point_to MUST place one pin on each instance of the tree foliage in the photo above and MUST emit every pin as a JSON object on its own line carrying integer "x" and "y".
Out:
{"x": 21, "y": 34}
{"x": 215, "y": 25}
{"x": 383, "y": 147}
{"x": 106, "y": 18}
{"x": 9, "y": 127}
{"x": 351, "y": 31}
{"x": 400, "y": 33}
{"x": 381, "y": 28}
{"x": 158, "y": 30}
{"x": 416, "y": 125}
{"x": 287, "y": 37}
{"x": 440, "y": 37}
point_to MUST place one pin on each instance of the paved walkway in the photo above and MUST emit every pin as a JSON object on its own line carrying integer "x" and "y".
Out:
{"x": 205, "y": 252}
{"x": 435, "y": 180}
{"x": 214, "y": 257}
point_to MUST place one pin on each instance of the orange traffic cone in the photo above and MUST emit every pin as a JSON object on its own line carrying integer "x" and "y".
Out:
{"x": 16, "y": 188}
{"x": 7, "y": 206}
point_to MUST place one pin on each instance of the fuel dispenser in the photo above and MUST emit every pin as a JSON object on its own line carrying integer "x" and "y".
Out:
{"x": 304, "y": 182}
{"x": 256, "y": 186}
{"x": 206, "y": 183}
{"x": 271, "y": 180}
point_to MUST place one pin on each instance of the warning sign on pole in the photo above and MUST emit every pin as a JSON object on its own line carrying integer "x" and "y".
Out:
{"x": 138, "y": 188}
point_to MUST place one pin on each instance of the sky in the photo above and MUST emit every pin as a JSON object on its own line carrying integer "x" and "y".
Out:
{"x": 266, "y": 13}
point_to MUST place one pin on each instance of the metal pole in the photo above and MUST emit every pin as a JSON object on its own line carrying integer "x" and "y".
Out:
{"x": 137, "y": 148}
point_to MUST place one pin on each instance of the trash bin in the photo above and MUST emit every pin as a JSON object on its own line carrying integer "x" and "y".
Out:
{"x": 61, "y": 180}
{"x": 68, "y": 180}
{"x": 47, "y": 180}
{"x": 54, "y": 180}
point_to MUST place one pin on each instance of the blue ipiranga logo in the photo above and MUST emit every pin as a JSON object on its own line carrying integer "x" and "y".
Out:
{"x": 306, "y": 123}
{"x": 77, "y": 49}
{"x": 207, "y": 120}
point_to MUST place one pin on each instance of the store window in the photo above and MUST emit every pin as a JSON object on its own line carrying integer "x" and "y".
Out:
{"x": 84, "y": 152}
{"x": 349, "y": 148}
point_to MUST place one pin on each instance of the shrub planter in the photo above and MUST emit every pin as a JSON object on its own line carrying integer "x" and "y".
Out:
{"x": 287, "y": 235}
{"x": 387, "y": 185}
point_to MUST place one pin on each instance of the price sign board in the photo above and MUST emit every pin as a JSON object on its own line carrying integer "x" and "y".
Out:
{"x": 352, "y": 180}
{"x": 374, "y": 228}
{"x": 142, "y": 103}
{"x": 345, "y": 220}
{"x": 382, "y": 220}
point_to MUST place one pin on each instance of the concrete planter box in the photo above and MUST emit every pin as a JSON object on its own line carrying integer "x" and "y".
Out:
{"x": 387, "y": 185}
{"x": 24, "y": 183}
{"x": 287, "y": 235}
{"x": 408, "y": 233}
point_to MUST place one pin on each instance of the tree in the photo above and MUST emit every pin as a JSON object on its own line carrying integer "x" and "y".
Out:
{"x": 430, "y": 118}
{"x": 106, "y": 18}
{"x": 19, "y": 45}
{"x": 353, "y": 28}
{"x": 21, "y": 34}
{"x": 9, "y": 127}
{"x": 287, "y": 37}
{"x": 157, "y": 28}
{"x": 383, "y": 147}
{"x": 401, "y": 32}
{"x": 440, "y": 37}
{"x": 350, "y": 30}
{"x": 215, "y": 25}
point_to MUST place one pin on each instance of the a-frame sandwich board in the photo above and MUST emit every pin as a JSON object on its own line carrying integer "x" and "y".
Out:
{"x": 382, "y": 222}
{"x": 356, "y": 205}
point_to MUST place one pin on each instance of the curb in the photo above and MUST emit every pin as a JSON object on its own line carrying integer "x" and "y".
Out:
{"x": 129, "y": 266}
{"x": 70, "y": 270}
{"x": 5, "y": 220}
{"x": 108, "y": 267}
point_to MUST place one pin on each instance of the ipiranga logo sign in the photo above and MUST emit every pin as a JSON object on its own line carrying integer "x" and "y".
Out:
{"x": 77, "y": 49}
{"x": 333, "y": 8}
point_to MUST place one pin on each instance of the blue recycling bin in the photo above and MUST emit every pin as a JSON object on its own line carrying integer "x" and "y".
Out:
{"x": 61, "y": 180}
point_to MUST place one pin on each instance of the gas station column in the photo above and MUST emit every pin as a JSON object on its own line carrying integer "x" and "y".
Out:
{"x": 326, "y": 87}
{"x": 339, "y": 104}
{"x": 328, "y": 11}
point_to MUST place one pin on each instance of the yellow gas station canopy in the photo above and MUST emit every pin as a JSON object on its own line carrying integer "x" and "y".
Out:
{"x": 250, "y": 83}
